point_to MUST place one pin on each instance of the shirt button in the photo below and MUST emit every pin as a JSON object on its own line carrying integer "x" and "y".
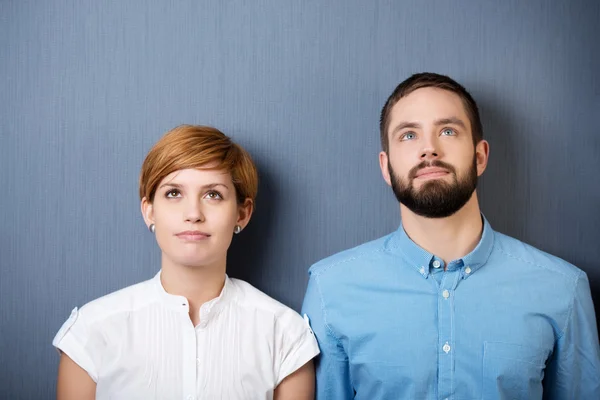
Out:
{"x": 190, "y": 397}
{"x": 446, "y": 348}
{"x": 436, "y": 264}
{"x": 422, "y": 270}
{"x": 198, "y": 361}
{"x": 468, "y": 270}
{"x": 446, "y": 294}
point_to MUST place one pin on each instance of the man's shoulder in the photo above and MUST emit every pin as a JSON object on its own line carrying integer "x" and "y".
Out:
{"x": 355, "y": 256}
{"x": 531, "y": 257}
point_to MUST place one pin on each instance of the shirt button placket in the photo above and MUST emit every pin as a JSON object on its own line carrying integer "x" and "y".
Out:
{"x": 188, "y": 348}
{"x": 446, "y": 331}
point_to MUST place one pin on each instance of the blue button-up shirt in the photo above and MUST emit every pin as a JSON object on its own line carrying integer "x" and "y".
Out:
{"x": 507, "y": 321}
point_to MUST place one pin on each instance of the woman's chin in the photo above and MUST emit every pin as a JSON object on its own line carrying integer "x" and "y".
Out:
{"x": 193, "y": 261}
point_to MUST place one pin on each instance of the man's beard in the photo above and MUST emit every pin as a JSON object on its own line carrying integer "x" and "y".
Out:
{"x": 435, "y": 198}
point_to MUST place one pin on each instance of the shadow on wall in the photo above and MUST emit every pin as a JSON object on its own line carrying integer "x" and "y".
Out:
{"x": 504, "y": 189}
{"x": 501, "y": 187}
{"x": 247, "y": 255}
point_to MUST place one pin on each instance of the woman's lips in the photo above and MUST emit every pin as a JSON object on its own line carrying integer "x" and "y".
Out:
{"x": 192, "y": 235}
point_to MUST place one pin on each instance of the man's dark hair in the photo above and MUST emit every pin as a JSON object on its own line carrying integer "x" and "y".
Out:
{"x": 423, "y": 80}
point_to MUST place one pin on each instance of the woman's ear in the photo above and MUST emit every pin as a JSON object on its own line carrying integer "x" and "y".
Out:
{"x": 245, "y": 211}
{"x": 147, "y": 212}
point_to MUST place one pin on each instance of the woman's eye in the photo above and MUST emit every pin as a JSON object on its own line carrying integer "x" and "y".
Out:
{"x": 448, "y": 132}
{"x": 173, "y": 193}
{"x": 214, "y": 195}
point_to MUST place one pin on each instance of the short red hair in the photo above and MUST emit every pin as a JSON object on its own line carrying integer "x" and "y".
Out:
{"x": 195, "y": 146}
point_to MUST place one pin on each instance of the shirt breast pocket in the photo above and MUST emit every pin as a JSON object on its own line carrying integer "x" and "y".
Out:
{"x": 512, "y": 371}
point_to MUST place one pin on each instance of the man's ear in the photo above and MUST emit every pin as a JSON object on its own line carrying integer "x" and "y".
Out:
{"x": 147, "y": 211}
{"x": 383, "y": 164}
{"x": 482, "y": 155}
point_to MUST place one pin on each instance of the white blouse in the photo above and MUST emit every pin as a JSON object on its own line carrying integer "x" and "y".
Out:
{"x": 139, "y": 343}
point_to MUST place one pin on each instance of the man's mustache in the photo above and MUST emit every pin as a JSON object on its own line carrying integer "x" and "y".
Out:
{"x": 425, "y": 164}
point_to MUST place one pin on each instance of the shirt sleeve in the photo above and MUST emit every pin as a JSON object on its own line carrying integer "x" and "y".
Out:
{"x": 297, "y": 344}
{"x": 574, "y": 368}
{"x": 76, "y": 340}
{"x": 332, "y": 369}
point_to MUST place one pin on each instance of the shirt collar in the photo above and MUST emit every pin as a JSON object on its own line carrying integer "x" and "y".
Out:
{"x": 207, "y": 311}
{"x": 421, "y": 259}
{"x": 481, "y": 253}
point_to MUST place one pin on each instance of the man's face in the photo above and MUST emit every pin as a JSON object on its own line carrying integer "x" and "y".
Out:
{"x": 432, "y": 164}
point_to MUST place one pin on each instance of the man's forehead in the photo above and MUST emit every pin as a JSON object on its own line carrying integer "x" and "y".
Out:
{"x": 427, "y": 98}
{"x": 426, "y": 105}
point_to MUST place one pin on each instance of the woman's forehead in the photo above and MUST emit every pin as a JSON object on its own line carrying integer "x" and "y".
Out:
{"x": 197, "y": 176}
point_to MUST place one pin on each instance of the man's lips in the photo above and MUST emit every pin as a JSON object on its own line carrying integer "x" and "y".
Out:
{"x": 192, "y": 235}
{"x": 431, "y": 172}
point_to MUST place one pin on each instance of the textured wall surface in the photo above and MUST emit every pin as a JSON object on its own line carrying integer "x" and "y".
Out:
{"x": 86, "y": 87}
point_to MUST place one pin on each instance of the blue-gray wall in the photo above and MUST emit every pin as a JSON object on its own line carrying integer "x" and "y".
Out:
{"x": 86, "y": 87}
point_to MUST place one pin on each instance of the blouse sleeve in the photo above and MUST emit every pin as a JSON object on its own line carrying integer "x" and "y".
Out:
{"x": 297, "y": 344}
{"x": 76, "y": 340}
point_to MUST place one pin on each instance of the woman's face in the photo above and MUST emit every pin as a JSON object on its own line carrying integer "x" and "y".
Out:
{"x": 195, "y": 212}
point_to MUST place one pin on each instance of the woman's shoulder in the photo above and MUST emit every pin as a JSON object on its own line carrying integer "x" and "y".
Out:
{"x": 249, "y": 297}
{"x": 290, "y": 336}
{"x": 126, "y": 299}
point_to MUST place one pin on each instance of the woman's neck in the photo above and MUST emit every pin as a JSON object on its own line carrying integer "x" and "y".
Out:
{"x": 199, "y": 284}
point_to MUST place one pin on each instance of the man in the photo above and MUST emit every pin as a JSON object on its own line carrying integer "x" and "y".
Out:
{"x": 445, "y": 307}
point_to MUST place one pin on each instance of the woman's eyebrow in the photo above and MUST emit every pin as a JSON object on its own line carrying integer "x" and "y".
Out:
{"x": 207, "y": 186}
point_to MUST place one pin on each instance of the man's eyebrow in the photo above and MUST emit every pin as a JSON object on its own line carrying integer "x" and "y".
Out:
{"x": 451, "y": 121}
{"x": 404, "y": 125}
{"x": 441, "y": 121}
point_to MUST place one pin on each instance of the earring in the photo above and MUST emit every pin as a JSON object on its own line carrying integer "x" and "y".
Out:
{"x": 237, "y": 229}
{"x": 151, "y": 228}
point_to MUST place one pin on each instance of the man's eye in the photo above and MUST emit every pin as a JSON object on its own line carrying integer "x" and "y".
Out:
{"x": 448, "y": 132}
{"x": 408, "y": 136}
{"x": 172, "y": 193}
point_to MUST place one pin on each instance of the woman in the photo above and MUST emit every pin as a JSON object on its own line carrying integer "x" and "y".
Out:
{"x": 191, "y": 332}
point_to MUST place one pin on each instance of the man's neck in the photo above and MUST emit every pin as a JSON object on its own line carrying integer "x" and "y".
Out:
{"x": 448, "y": 238}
